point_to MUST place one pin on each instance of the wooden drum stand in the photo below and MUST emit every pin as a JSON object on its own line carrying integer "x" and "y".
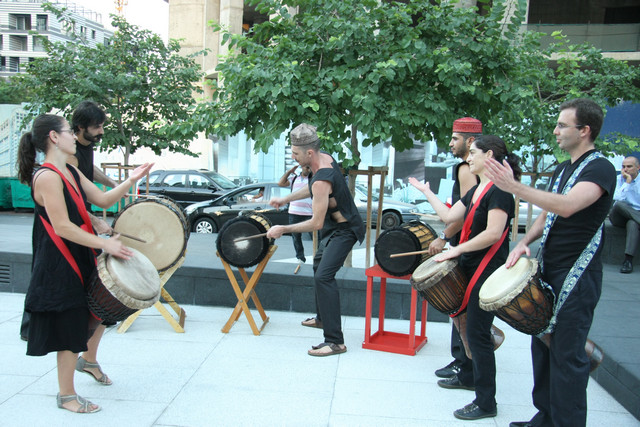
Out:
{"x": 178, "y": 325}
{"x": 248, "y": 293}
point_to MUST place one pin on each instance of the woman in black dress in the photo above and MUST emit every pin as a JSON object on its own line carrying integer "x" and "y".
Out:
{"x": 484, "y": 246}
{"x": 63, "y": 250}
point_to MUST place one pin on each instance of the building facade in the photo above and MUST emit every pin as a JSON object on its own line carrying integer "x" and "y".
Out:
{"x": 20, "y": 18}
{"x": 11, "y": 117}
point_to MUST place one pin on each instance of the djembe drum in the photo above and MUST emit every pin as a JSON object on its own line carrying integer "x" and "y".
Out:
{"x": 519, "y": 297}
{"x": 442, "y": 284}
{"x": 121, "y": 287}
{"x": 161, "y": 224}
{"x": 249, "y": 252}
{"x": 408, "y": 237}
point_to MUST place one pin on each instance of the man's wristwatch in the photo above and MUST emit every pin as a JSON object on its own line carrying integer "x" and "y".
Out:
{"x": 444, "y": 237}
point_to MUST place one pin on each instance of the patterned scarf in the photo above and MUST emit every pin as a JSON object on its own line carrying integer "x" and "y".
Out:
{"x": 585, "y": 257}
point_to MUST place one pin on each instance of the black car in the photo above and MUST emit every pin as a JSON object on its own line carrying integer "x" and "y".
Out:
{"x": 187, "y": 186}
{"x": 210, "y": 215}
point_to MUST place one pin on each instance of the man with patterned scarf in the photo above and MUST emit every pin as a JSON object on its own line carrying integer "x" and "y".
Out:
{"x": 571, "y": 228}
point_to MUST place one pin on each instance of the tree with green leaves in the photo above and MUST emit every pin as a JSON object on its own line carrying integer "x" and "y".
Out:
{"x": 12, "y": 93}
{"x": 547, "y": 77}
{"x": 394, "y": 71}
{"x": 144, "y": 85}
{"x": 403, "y": 71}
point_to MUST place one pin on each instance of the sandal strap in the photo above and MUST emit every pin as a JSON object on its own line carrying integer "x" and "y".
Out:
{"x": 82, "y": 366}
{"x": 84, "y": 403}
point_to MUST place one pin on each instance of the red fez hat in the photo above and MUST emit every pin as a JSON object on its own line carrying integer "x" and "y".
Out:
{"x": 467, "y": 125}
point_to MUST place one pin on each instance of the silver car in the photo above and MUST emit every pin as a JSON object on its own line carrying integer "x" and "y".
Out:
{"x": 394, "y": 212}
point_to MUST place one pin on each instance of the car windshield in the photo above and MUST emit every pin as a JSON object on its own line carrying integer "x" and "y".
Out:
{"x": 221, "y": 180}
{"x": 362, "y": 195}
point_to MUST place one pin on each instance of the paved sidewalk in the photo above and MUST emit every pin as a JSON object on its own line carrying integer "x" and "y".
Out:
{"x": 206, "y": 378}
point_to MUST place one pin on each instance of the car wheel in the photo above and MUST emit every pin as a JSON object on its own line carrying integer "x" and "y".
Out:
{"x": 390, "y": 220}
{"x": 205, "y": 226}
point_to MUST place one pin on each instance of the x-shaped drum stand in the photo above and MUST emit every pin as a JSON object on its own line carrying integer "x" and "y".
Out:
{"x": 248, "y": 293}
{"x": 178, "y": 325}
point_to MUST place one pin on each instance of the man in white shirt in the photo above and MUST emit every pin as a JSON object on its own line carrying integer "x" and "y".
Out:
{"x": 626, "y": 209}
{"x": 299, "y": 210}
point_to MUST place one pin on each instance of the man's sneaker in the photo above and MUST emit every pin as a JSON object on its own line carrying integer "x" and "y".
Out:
{"x": 454, "y": 382}
{"x": 449, "y": 371}
{"x": 473, "y": 412}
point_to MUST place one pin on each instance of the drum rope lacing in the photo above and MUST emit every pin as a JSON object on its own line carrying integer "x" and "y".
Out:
{"x": 585, "y": 257}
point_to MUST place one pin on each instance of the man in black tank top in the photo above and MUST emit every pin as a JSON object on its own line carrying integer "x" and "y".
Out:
{"x": 87, "y": 123}
{"x": 465, "y": 131}
{"x": 336, "y": 215}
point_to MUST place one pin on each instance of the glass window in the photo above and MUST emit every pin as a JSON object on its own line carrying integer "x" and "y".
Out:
{"x": 41, "y": 23}
{"x": 38, "y": 44}
{"x": 175, "y": 180}
{"x": 279, "y": 191}
{"x": 199, "y": 181}
{"x": 221, "y": 180}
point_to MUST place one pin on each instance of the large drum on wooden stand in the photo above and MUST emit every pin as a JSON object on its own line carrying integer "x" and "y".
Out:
{"x": 121, "y": 287}
{"x": 409, "y": 237}
{"x": 158, "y": 221}
{"x": 249, "y": 252}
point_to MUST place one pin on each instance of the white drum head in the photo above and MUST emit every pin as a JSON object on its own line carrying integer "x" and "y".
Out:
{"x": 430, "y": 272}
{"x": 159, "y": 226}
{"x": 505, "y": 284}
{"x": 134, "y": 282}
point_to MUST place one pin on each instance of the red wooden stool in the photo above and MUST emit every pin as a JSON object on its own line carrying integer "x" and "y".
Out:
{"x": 392, "y": 342}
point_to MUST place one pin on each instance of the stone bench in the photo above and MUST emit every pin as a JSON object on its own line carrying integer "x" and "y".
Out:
{"x": 614, "y": 243}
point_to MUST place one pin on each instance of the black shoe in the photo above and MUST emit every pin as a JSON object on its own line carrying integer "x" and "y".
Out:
{"x": 627, "y": 267}
{"x": 450, "y": 370}
{"x": 473, "y": 412}
{"x": 454, "y": 382}
{"x": 520, "y": 424}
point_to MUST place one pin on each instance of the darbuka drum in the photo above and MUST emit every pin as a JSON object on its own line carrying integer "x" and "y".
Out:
{"x": 121, "y": 287}
{"x": 442, "y": 284}
{"x": 245, "y": 253}
{"x": 517, "y": 296}
{"x": 161, "y": 224}
{"x": 409, "y": 237}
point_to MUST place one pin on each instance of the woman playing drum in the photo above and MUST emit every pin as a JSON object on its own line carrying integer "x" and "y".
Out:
{"x": 63, "y": 256}
{"x": 483, "y": 247}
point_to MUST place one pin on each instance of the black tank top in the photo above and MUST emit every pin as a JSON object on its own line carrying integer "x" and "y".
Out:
{"x": 84, "y": 153}
{"x": 344, "y": 200}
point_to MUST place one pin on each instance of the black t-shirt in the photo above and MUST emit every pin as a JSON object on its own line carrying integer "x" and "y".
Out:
{"x": 345, "y": 204}
{"x": 569, "y": 236}
{"x": 493, "y": 199}
{"x": 84, "y": 153}
{"x": 455, "y": 195}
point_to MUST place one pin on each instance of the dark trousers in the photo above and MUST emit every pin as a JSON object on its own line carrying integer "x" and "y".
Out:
{"x": 561, "y": 371}
{"x": 24, "y": 325}
{"x": 332, "y": 251}
{"x": 457, "y": 348}
{"x": 297, "y": 237}
{"x": 480, "y": 371}
{"x": 623, "y": 215}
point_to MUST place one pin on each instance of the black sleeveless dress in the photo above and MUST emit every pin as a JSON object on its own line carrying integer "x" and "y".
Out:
{"x": 56, "y": 298}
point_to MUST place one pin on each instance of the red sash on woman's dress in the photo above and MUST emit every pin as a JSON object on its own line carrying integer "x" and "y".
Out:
{"x": 464, "y": 236}
{"x": 82, "y": 209}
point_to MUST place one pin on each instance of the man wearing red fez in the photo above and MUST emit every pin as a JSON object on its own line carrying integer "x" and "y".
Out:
{"x": 465, "y": 131}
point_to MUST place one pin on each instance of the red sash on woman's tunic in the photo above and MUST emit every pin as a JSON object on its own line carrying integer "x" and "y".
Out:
{"x": 464, "y": 236}
{"x": 57, "y": 240}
